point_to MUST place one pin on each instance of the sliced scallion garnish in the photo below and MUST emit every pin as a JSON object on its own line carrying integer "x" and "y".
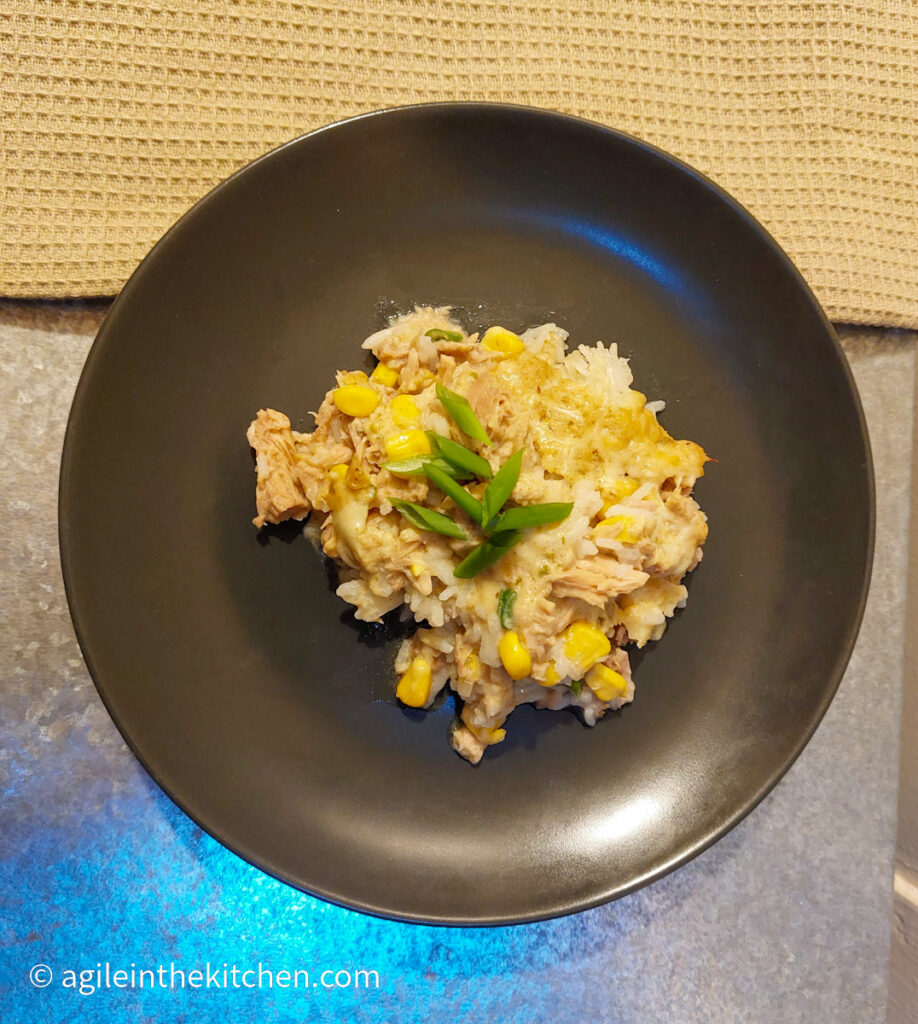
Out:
{"x": 506, "y": 599}
{"x": 500, "y": 488}
{"x": 427, "y": 519}
{"x": 414, "y": 466}
{"x": 467, "y": 502}
{"x": 460, "y": 456}
{"x": 525, "y": 516}
{"x": 486, "y": 554}
{"x": 462, "y": 414}
{"x": 438, "y": 334}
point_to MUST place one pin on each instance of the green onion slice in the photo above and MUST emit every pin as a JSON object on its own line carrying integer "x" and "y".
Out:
{"x": 427, "y": 519}
{"x": 467, "y": 502}
{"x": 414, "y": 466}
{"x": 438, "y": 334}
{"x": 533, "y": 515}
{"x": 500, "y": 488}
{"x": 460, "y": 456}
{"x": 506, "y": 599}
{"x": 462, "y": 414}
{"x": 487, "y": 554}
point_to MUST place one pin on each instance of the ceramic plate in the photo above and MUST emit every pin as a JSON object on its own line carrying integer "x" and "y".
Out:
{"x": 242, "y": 682}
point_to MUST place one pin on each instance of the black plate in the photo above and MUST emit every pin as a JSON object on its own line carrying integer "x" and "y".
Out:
{"x": 237, "y": 676}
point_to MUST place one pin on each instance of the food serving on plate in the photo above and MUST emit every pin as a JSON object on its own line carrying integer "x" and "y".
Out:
{"x": 521, "y": 500}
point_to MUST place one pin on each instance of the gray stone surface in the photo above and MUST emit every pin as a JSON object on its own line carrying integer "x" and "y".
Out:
{"x": 786, "y": 919}
{"x": 903, "y": 969}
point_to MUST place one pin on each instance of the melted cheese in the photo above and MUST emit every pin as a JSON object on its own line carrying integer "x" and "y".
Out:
{"x": 575, "y": 435}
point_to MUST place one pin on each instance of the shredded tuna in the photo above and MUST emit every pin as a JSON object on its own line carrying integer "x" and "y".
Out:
{"x": 597, "y": 579}
{"x": 466, "y": 744}
{"x": 491, "y": 404}
{"x": 279, "y": 491}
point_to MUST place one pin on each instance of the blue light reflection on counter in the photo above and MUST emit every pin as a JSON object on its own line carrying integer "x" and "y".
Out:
{"x": 122, "y": 876}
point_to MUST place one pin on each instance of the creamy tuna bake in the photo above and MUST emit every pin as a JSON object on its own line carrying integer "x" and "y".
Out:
{"x": 522, "y": 501}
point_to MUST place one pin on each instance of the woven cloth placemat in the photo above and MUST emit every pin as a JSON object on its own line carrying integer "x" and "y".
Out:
{"x": 116, "y": 116}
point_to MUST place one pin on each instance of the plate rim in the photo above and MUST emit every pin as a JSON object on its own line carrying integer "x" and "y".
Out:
{"x": 558, "y": 909}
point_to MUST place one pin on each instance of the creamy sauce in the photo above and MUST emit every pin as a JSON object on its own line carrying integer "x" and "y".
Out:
{"x": 349, "y": 515}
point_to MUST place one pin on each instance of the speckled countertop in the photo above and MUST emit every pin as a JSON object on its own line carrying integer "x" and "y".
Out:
{"x": 786, "y": 919}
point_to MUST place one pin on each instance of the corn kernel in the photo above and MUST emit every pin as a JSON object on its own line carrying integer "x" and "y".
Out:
{"x": 355, "y": 400}
{"x": 338, "y": 472}
{"x": 629, "y": 532}
{"x": 472, "y": 665}
{"x": 585, "y": 644}
{"x": 606, "y": 683}
{"x": 404, "y": 411}
{"x": 514, "y": 656}
{"x": 623, "y": 488}
{"x": 499, "y": 339}
{"x": 403, "y": 446}
{"x": 416, "y": 569}
{"x": 384, "y": 375}
{"x": 551, "y": 675}
{"x": 414, "y": 686}
{"x": 496, "y": 734}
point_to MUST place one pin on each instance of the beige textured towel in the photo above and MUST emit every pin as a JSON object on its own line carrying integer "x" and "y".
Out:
{"x": 117, "y": 116}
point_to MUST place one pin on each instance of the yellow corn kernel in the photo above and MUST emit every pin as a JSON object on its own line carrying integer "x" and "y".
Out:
{"x": 551, "y": 675}
{"x": 338, "y": 472}
{"x": 606, "y": 683}
{"x": 514, "y": 656}
{"x": 623, "y": 488}
{"x": 384, "y": 375}
{"x": 414, "y": 686}
{"x": 355, "y": 400}
{"x": 499, "y": 339}
{"x": 416, "y": 569}
{"x": 404, "y": 411}
{"x": 629, "y": 532}
{"x": 496, "y": 734}
{"x": 403, "y": 446}
{"x": 585, "y": 644}
{"x": 472, "y": 665}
